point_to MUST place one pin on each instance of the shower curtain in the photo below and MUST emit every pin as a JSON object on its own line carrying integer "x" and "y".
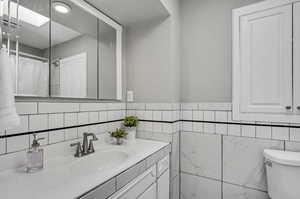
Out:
{"x": 33, "y": 76}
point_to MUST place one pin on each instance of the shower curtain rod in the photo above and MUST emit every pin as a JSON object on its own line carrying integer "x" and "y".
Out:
{"x": 31, "y": 56}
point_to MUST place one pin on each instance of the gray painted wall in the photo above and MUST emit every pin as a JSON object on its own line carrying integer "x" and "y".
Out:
{"x": 206, "y": 49}
{"x": 152, "y": 57}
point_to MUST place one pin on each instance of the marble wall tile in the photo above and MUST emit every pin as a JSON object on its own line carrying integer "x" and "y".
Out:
{"x": 201, "y": 154}
{"x": 194, "y": 187}
{"x": 236, "y": 192}
{"x": 174, "y": 188}
{"x": 243, "y": 160}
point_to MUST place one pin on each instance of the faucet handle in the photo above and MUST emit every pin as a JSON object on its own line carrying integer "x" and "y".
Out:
{"x": 78, "y": 152}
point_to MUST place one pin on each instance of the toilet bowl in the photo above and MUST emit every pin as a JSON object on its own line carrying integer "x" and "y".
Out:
{"x": 283, "y": 174}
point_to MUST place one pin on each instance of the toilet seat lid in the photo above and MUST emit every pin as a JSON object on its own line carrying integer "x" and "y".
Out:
{"x": 283, "y": 157}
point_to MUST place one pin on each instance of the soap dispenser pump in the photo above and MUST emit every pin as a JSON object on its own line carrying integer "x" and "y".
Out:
{"x": 35, "y": 156}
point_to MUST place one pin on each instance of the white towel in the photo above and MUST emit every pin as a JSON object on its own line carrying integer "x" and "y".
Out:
{"x": 8, "y": 114}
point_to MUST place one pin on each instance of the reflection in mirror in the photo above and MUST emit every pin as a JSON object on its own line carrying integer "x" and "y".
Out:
{"x": 74, "y": 59}
{"x": 107, "y": 61}
{"x": 25, "y": 31}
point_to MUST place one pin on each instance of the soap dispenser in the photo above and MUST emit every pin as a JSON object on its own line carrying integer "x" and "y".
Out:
{"x": 35, "y": 156}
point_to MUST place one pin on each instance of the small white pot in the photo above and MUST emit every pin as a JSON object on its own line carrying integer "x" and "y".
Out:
{"x": 131, "y": 133}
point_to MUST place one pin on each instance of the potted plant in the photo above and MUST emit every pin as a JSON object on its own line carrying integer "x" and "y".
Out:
{"x": 119, "y": 135}
{"x": 130, "y": 123}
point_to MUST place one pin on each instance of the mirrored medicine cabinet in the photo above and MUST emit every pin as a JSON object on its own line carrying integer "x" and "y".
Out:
{"x": 61, "y": 49}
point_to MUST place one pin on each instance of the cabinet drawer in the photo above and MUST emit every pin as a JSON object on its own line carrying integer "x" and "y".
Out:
{"x": 101, "y": 192}
{"x": 163, "y": 165}
{"x": 135, "y": 188}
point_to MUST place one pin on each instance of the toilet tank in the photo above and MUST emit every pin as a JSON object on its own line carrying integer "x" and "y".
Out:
{"x": 283, "y": 174}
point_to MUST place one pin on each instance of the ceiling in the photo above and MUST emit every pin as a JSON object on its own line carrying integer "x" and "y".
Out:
{"x": 129, "y": 12}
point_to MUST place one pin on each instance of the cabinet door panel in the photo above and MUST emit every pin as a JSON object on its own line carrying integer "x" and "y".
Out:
{"x": 266, "y": 61}
{"x": 150, "y": 193}
{"x": 163, "y": 185}
{"x": 297, "y": 57}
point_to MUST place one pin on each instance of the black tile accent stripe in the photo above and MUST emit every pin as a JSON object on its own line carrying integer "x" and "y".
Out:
{"x": 57, "y": 129}
{"x": 159, "y": 121}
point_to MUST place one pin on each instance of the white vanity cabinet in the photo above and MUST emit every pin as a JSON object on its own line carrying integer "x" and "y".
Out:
{"x": 266, "y": 70}
{"x": 153, "y": 183}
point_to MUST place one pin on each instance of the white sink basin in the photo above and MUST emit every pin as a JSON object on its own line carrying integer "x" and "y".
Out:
{"x": 98, "y": 161}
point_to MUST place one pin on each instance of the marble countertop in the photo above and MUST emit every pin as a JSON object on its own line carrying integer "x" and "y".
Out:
{"x": 67, "y": 177}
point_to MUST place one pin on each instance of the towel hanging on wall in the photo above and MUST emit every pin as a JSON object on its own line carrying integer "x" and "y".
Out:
{"x": 8, "y": 114}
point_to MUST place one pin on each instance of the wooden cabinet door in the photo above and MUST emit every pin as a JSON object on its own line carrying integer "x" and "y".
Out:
{"x": 265, "y": 55}
{"x": 296, "y": 57}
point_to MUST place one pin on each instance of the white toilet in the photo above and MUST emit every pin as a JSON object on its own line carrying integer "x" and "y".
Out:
{"x": 283, "y": 174}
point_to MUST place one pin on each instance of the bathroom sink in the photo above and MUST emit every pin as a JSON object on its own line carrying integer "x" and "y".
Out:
{"x": 98, "y": 161}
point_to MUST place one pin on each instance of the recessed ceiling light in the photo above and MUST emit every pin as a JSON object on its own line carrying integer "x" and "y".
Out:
{"x": 61, "y": 7}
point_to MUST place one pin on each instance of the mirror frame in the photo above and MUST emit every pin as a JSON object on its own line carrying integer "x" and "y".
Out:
{"x": 119, "y": 31}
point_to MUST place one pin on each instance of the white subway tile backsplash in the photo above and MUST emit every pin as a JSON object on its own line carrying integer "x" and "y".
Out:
{"x": 209, "y": 127}
{"x": 189, "y": 106}
{"x": 46, "y": 107}
{"x": 38, "y": 122}
{"x": 197, "y": 126}
{"x": 157, "y": 127}
{"x": 167, "y": 115}
{"x": 295, "y": 134}
{"x": 103, "y": 116}
{"x": 71, "y": 134}
{"x": 22, "y": 128}
{"x": 263, "y": 132}
{"x": 198, "y": 115}
{"x": 131, "y": 113}
{"x": 82, "y": 130}
{"x": 280, "y": 133}
{"x": 140, "y": 114}
{"x": 221, "y": 129}
{"x": 167, "y": 127}
{"x": 187, "y": 115}
{"x": 56, "y": 120}
{"x": 248, "y": 131}
{"x": 70, "y": 119}
{"x": 17, "y": 143}
{"x": 209, "y": 116}
{"x": 2, "y": 146}
{"x": 187, "y": 126}
{"x": 234, "y": 130}
{"x": 93, "y": 106}
{"x": 94, "y": 129}
{"x": 94, "y": 117}
{"x": 56, "y": 136}
{"x": 148, "y": 115}
{"x": 103, "y": 128}
{"x": 157, "y": 115}
{"x": 136, "y": 106}
{"x": 27, "y": 108}
{"x": 221, "y": 116}
{"x": 83, "y": 118}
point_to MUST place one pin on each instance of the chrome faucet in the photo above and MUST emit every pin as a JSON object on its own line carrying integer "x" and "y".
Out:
{"x": 87, "y": 146}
